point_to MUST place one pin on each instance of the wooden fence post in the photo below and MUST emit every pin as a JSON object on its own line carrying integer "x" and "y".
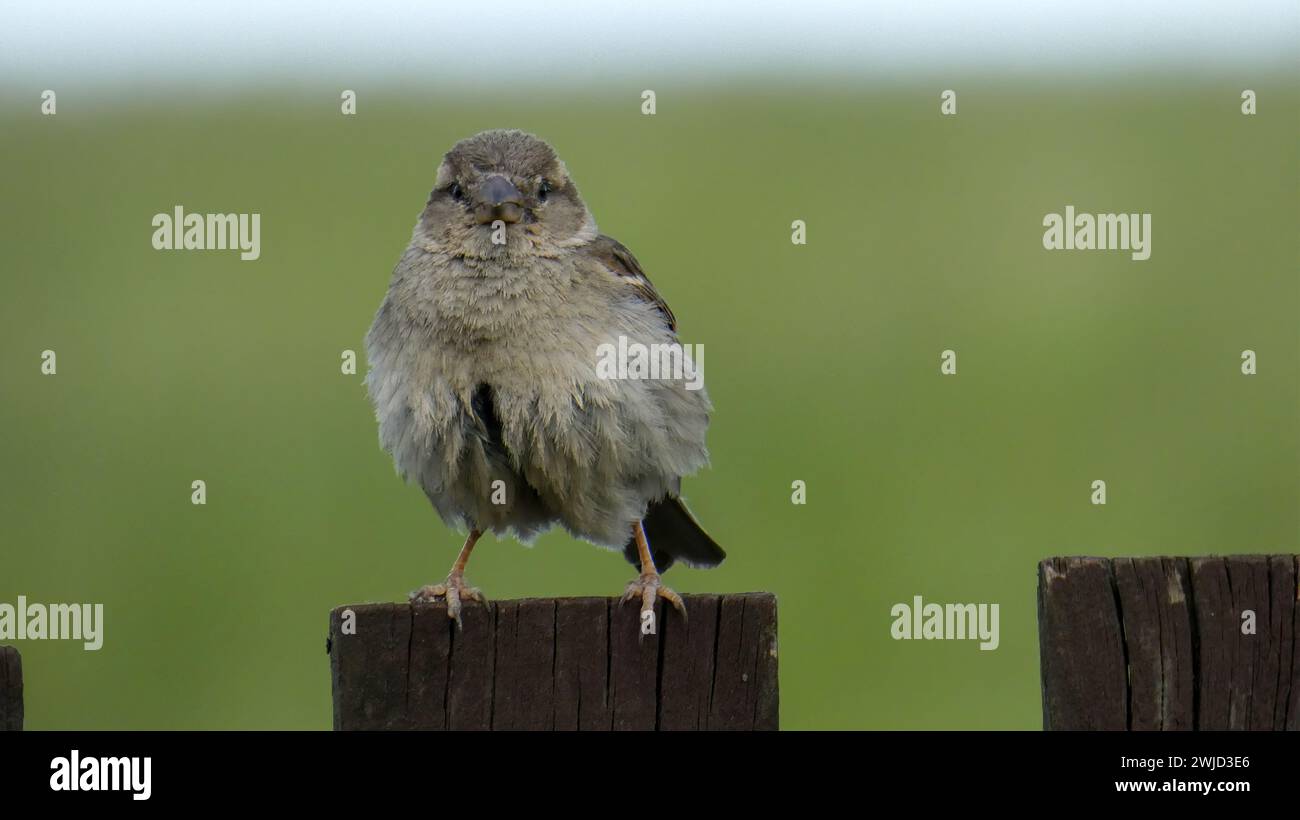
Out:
{"x": 556, "y": 663}
{"x": 11, "y": 689}
{"x": 1170, "y": 643}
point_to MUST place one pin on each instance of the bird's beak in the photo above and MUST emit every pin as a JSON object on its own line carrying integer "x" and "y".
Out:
{"x": 498, "y": 198}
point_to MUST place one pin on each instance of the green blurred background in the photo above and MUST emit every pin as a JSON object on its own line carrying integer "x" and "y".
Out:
{"x": 924, "y": 233}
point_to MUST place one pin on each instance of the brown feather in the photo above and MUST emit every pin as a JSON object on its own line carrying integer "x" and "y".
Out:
{"x": 620, "y": 261}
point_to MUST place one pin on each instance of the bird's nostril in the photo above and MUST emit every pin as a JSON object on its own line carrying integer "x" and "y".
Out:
{"x": 508, "y": 212}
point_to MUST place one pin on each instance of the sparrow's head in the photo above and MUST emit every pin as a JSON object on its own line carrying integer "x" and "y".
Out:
{"x": 504, "y": 193}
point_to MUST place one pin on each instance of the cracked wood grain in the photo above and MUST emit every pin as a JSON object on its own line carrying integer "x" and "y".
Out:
{"x": 11, "y": 689}
{"x": 557, "y": 664}
{"x": 1163, "y": 643}
{"x": 1153, "y": 594}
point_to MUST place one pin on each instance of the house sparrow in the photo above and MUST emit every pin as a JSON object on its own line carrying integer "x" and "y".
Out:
{"x": 483, "y": 373}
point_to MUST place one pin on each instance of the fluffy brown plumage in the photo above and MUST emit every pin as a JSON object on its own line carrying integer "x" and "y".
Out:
{"x": 483, "y": 368}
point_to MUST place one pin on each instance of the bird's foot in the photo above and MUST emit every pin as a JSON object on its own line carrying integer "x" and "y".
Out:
{"x": 453, "y": 591}
{"x": 647, "y": 588}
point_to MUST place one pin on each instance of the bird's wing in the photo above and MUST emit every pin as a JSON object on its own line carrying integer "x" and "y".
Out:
{"x": 618, "y": 260}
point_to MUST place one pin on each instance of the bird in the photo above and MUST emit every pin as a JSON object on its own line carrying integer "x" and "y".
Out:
{"x": 485, "y": 380}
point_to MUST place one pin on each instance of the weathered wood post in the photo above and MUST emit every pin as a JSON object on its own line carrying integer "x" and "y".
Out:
{"x": 556, "y": 663}
{"x": 1170, "y": 643}
{"x": 11, "y": 689}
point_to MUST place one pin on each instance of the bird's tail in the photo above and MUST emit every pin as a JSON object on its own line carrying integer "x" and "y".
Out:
{"x": 675, "y": 535}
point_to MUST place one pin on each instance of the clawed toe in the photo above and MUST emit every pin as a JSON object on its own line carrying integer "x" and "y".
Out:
{"x": 648, "y": 588}
{"x": 428, "y": 593}
{"x": 453, "y": 591}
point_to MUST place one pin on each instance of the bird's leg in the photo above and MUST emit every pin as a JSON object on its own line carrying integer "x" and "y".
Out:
{"x": 453, "y": 589}
{"x": 648, "y": 586}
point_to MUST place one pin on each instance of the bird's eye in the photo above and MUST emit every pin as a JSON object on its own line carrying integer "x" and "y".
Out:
{"x": 457, "y": 192}
{"x": 544, "y": 190}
